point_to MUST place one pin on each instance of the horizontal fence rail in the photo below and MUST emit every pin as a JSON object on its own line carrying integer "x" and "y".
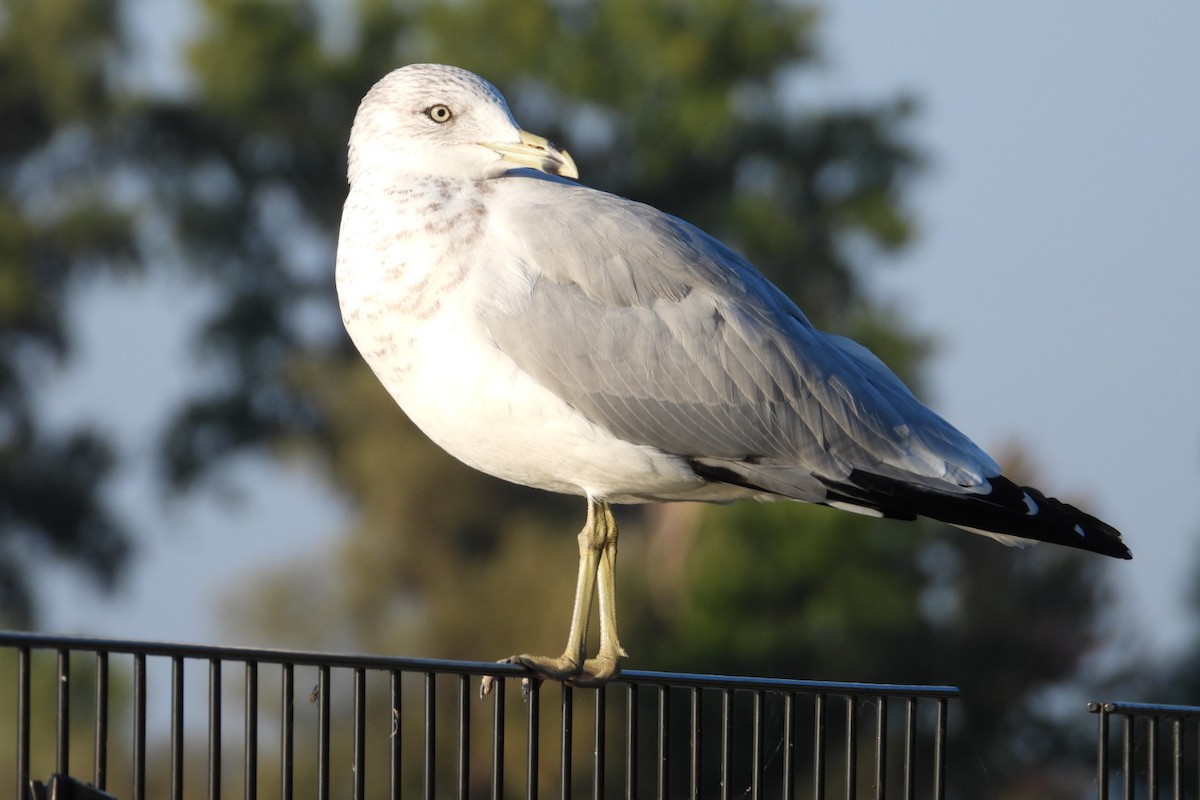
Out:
{"x": 1146, "y": 761}
{"x": 140, "y": 720}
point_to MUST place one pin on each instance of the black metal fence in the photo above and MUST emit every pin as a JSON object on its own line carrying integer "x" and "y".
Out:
{"x": 1156, "y": 750}
{"x": 143, "y": 720}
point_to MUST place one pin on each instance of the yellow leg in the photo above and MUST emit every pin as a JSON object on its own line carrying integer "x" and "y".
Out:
{"x": 607, "y": 663}
{"x": 597, "y": 561}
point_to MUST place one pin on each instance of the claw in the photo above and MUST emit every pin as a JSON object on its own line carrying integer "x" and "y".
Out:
{"x": 558, "y": 669}
{"x": 528, "y": 685}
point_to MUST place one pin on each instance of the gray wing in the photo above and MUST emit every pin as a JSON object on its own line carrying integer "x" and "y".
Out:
{"x": 660, "y": 334}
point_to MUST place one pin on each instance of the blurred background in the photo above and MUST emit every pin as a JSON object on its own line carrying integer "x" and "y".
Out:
{"x": 1000, "y": 201}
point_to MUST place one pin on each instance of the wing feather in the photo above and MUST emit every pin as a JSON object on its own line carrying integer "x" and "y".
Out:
{"x": 659, "y": 333}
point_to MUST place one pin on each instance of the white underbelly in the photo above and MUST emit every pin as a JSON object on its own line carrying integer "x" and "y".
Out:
{"x": 474, "y": 402}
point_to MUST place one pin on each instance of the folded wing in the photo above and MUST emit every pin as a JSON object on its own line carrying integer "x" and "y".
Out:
{"x": 663, "y": 336}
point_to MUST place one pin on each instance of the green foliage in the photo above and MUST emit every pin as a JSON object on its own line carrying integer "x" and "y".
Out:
{"x": 53, "y": 59}
{"x": 757, "y": 569}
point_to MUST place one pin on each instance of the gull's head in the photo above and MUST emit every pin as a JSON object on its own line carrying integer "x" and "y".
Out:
{"x": 431, "y": 119}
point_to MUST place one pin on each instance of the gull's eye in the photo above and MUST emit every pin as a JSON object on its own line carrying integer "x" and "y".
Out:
{"x": 439, "y": 113}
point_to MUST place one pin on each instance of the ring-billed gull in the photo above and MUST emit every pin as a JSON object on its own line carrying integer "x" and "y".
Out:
{"x": 568, "y": 339}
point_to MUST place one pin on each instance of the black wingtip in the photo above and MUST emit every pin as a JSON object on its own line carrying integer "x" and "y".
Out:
{"x": 1008, "y": 509}
{"x": 1056, "y": 519}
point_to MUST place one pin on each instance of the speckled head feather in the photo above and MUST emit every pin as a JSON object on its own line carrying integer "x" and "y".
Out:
{"x": 400, "y": 127}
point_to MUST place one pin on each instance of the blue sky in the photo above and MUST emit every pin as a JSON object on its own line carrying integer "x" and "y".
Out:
{"x": 1057, "y": 263}
{"x": 1059, "y": 260}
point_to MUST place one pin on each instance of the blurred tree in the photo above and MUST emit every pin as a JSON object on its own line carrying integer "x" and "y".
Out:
{"x": 61, "y": 221}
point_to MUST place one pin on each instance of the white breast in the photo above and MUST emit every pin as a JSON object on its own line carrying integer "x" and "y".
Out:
{"x": 413, "y": 308}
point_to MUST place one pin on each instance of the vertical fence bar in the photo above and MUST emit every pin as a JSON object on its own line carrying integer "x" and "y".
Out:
{"x": 395, "y": 740}
{"x": 910, "y": 748}
{"x": 1127, "y": 756}
{"x": 287, "y": 731}
{"x": 818, "y": 791}
{"x": 498, "y": 729}
{"x": 62, "y": 728}
{"x": 631, "y": 741}
{"x": 323, "y": 705}
{"x": 214, "y": 729}
{"x": 360, "y": 733}
{"x": 177, "y": 728}
{"x": 1152, "y": 758}
{"x": 788, "y": 778}
{"x": 726, "y": 744}
{"x": 100, "y": 755}
{"x": 880, "y": 748}
{"x": 598, "y": 734}
{"x": 250, "y": 767}
{"x": 695, "y": 708}
{"x": 395, "y": 774}
{"x": 939, "y": 750}
{"x": 430, "y": 763}
{"x": 1177, "y": 758}
{"x": 1101, "y": 751}
{"x": 464, "y": 737}
{"x": 851, "y": 747}
{"x": 564, "y": 751}
{"x": 139, "y": 727}
{"x": 533, "y": 714}
{"x": 23, "y": 670}
{"x": 756, "y": 745}
{"x": 663, "y": 745}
